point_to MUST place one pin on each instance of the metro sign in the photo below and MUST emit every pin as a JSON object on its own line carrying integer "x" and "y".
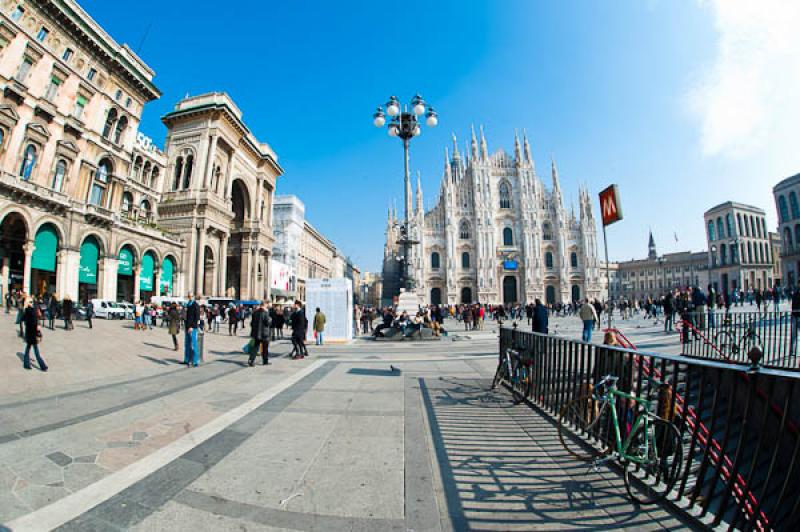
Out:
{"x": 610, "y": 207}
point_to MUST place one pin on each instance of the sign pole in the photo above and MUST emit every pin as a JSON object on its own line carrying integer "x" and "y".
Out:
{"x": 608, "y": 276}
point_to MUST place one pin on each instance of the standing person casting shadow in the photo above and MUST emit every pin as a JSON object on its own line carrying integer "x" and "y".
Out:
{"x": 32, "y": 336}
{"x": 259, "y": 332}
{"x": 174, "y": 321}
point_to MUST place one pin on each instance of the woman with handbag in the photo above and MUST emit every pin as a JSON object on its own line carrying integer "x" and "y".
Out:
{"x": 173, "y": 318}
{"x": 33, "y": 335}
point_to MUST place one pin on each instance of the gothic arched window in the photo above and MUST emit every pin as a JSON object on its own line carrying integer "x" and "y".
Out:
{"x": 101, "y": 176}
{"x": 187, "y": 172}
{"x": 505, "y": 196}
{"x": 573, "y": 259}
{"x": 435, "y": 260}
{"x": 178, "y": 172}
{"x": 58, "y": 175}
{"x": 465, "y": 260}
{"x": 122, "y": 125}
{"x": 463, "y": 232}
{"x": 111, "y": 119}
{"x": 547, "y": 231}
{"x": 508, "y": 237}
{"x": 548, "y": 260}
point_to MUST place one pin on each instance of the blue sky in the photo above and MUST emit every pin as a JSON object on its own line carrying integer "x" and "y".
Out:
{"x": 656, "y": 96}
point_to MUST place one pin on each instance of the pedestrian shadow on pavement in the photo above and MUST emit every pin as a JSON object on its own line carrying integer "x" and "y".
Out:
{"x": 162, "y": 361}
{"x": 157, "y": 346}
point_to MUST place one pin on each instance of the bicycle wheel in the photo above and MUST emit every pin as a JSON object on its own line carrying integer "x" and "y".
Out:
{"x": 499, "y": 374}
{"x": 724, "y": 341}
{"x": 582, "y": 416}
{"x": 662, "y": 451}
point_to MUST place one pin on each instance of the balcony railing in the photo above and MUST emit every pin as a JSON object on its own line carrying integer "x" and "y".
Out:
{"x": 35, "y": 191}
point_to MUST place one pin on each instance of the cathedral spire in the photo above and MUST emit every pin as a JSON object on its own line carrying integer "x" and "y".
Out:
{"x": 651, "y": 248}
{"x": 455, "y": 148}
{"x": 419, "y": 192}
{"x": 447, "y": 173}
{"x": 528, "y": 156}
{"x": 484, "y": 149}
{"x": 474, "y": 144}
{"x": 556, "y": 183}
{"x": 517, "y": 149}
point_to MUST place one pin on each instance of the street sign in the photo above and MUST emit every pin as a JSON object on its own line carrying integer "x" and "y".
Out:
{"x": 610, "y": 206}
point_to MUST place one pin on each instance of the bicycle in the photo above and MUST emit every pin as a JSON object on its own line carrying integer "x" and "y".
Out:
{"x": 513, "y": 370}
{"x": 652, "y": 451}
{"x": 728, "y": 344}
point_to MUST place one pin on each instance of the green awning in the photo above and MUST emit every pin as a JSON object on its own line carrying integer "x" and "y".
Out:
{"x": 46, "y": 242}
{"x": 167, "y": 270}
{"x": 90, "y": 252}
{"x": 125, "y": 266}
{"x": 146, "y": 273}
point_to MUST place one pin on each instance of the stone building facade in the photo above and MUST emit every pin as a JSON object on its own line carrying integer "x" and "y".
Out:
{"x": 787, "y": 203}
{"x": 89, "y": 207}
{"x": 739, "y": 248}
{"x": 78, "y": 186}
{"x": 496, "y": 234}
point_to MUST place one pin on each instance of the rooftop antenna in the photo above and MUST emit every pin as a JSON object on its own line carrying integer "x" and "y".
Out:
{"x": 144, "y": 36}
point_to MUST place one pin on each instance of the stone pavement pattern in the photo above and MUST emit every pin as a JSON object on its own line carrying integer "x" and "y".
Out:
{"x": 352, "y": 445}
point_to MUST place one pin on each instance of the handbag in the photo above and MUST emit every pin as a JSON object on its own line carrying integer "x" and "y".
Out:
{"x": 248, "y": 347}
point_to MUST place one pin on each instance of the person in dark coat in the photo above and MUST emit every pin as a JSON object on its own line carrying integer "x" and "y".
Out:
{"x": 539, "y": 318}
{"x": 89, "y": 313}
{"x": 260, "y": 325}
{"x": 66, "y": 309}
{"x": 52, "y": 310}
{"x": 299, "y": 323}
{"x": 191, "y": 355}
{"x": 30, "y": 319}
{"x": 173, "y": 319}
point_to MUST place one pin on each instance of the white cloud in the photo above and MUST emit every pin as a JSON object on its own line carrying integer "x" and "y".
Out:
{"x": 749, "y": 102}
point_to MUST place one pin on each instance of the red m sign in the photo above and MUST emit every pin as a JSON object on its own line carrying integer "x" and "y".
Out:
{"x": 610, "y": 207}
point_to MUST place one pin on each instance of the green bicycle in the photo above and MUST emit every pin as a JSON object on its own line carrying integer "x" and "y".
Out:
{"x": 652, "y": 454}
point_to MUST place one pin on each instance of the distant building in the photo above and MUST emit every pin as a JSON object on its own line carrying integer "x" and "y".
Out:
{"x": 739, "y": 249}
{"x": 655, "y": 275}
{"x": 786, "y": 201}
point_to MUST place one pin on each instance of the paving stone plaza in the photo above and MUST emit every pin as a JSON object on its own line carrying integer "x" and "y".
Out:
{"x": 363, "y": 436}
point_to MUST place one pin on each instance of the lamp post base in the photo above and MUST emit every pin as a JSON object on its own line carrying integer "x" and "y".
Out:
{"x": 408, "y": 301}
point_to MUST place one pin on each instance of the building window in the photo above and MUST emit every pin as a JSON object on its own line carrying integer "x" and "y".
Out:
{"x": 28, "y": 162}
{"x": 547, "y": 231}
{"x": 118, "y": 95}
{"x": 464, "y": 231}
{"x": 187, "y": 171}
{"x": 144, "y": 210}
{"x": 111, "y": 119}
{"x": 122, "y": 124}
{"x": 154, "y": 177}
{"x": 68, "y": 53}
{"x": 42, "y": 35}
{"x": 729, "y": 224}
{"x": 505, "y": 196}
{"x": 52, "y": 89}
{"x": 178, "y": 171}
{"x": 508, "y": 237}
{"x": 434, "y": 261}
{"x": 91, "y": 74}
{"x": 127, "y": 202}
{"x": 711, "y": 237}
{"x": 548, "y": 260}
{"x": 24, "y": 69}
{"x": 720, "y": 229}
{"x": 723, "y": 255}
{"x": 465, "y": 260}
{"x": 101, "y": 177}
{"x": 17, "y": 13}
{"x": 573, "y": 259}
{"x": 58, "y": 175}
{"x": 80, "y": 107}
{"x": 128, "y": 102}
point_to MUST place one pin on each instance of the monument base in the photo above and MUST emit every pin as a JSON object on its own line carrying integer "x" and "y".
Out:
{"x": 408, "y": 301}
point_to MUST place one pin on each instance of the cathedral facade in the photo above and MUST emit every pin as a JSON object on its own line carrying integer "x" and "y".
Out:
{"x": 496, "y": 234}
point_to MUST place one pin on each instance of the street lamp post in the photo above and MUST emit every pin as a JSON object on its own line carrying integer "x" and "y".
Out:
{"x": 406, "y": 125}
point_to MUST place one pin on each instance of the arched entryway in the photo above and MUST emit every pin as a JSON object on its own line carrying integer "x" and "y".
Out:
{"x": 13, "y": 235}
{"x": 209, "y": 273}
{"x": 87, "y": 274}
{"x": 436, "y": 296}
{"x": 43, "y": 261}
{"x": 146, "y": 276}
{"x": 550, "y": 295}
{"x": 576, "y": 293}
{"x": 466, "y": 295}
{"x": 125, "y": 279}
{"x": 167, "y": 278}
{"x": 240, "y": 203}
{"x": 509, "y": 289}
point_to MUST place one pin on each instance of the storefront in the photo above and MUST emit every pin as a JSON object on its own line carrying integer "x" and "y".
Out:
{"x": 167, "y": 277}
{"x": 125, "y": 278}
{"x": 44, "y": 262}
{"x": 87, "y": 273}
{"x": 146, "y": 290}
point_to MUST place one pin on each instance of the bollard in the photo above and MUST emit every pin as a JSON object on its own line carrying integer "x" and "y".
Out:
{"x": 201, "y": 335}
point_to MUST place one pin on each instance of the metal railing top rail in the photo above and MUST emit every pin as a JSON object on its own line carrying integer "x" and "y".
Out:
{"x": 681, "y": 359}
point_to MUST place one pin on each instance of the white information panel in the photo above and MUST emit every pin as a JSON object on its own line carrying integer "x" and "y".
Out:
{"x": 334, "y": 297}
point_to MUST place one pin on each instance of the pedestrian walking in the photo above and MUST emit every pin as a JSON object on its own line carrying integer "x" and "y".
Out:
{"x": 191, "y": 356}
{"x": 319, "y": 326}
{"x": 233, "y": 321}
{"x": 260, "y": 325}
{"x": 588, "y": 314}
{"x": 66, "y": 308}
{"x": 33, "y": 334}
{"x": 89, "y": 313}
{"x": 299, "y": 323}
{"x": 173, "y": 319}
{"x": 539, "y": 317}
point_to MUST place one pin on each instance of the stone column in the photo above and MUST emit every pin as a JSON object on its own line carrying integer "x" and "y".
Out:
{"x": 245, "y": 272}
{"x": 200, "y": 262}
{"x": 209, "y": 169}
{"x": 137, "y": 293}
{"x": 5, "y": 270}
{"x": 222, "y": 267}
{"x": 26, "y": 276}
{"x": 108, "y": 290}
{"x": 69, "y": 261}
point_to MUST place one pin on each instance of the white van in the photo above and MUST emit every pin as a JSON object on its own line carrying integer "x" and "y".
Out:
{"x": 107, "y": 309}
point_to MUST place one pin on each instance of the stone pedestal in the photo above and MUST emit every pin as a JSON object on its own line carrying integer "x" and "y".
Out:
{"x": 408, "y": 302}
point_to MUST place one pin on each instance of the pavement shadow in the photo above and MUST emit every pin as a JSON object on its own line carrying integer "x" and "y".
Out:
{"x": 157, "y": 346}
{"x": 163, "y": 362}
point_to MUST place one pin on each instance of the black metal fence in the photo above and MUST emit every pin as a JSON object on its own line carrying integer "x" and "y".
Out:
{"x": 740, "y": 430}
{"x": 731, "y": 336}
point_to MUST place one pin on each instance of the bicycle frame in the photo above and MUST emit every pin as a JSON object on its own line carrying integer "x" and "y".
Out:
{"x": 609, "y": 400}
